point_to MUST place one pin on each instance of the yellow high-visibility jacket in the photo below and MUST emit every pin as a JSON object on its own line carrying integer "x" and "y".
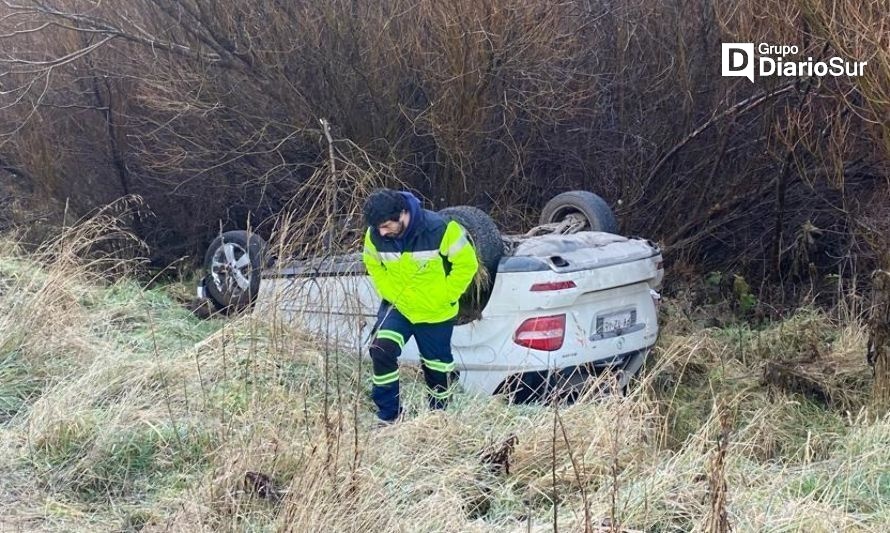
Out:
{"x": 425, "y": 273}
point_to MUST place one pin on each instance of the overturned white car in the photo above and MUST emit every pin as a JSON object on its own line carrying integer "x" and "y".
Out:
{"x": 562, "y": 304}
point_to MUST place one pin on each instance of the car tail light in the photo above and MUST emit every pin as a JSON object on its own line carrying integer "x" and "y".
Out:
{"x": 553, "y": 286}
{"x": 542, "y": 333}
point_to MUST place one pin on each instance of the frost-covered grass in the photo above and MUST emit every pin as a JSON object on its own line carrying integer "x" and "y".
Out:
{"x": 119, "y": 410}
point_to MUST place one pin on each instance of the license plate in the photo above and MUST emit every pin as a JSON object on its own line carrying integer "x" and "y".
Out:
{"x": 614, "y": 322}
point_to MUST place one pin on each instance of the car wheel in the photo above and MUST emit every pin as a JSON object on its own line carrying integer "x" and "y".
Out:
{"x": 596, "y": 211}
{"x": 483, "y": 233}
{"x": 233, "y": 263}
{"x": 489, "y": 246}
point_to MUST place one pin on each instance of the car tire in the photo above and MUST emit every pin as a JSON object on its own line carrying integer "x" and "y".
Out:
{"x": 233, "y": 262}
{"x": 486, "y": 239}
{"x": 595, "y": 210}
{"x": 483, "y": 233}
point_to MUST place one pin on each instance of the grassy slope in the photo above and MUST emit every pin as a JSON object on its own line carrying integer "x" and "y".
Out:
{"x": 119, "y": 410}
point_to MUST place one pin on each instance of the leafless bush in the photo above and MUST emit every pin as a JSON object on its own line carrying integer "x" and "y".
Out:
{"x": 210, "y": 112}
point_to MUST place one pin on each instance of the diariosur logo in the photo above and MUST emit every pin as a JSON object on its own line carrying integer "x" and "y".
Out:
{"x": 738, "y": 59}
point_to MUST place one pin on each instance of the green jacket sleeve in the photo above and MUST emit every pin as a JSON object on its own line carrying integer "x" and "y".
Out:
{"x": 380, "y": 278}
{"x": 462, "y": 256}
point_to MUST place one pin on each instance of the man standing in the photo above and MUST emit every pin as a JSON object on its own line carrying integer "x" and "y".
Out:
{"x": 420, "y": 265}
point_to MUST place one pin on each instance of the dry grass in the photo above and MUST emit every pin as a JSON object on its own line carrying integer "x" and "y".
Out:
{"x": 124, "y": 412}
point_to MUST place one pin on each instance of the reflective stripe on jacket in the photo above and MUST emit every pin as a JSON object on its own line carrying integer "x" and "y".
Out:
{"x": 426, "y": 278}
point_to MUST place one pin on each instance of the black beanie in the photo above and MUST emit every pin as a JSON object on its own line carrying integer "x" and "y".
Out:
{"x": 383, "y": 205}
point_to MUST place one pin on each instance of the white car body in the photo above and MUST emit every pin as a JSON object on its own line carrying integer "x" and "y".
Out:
{"x": 610, "y": 316}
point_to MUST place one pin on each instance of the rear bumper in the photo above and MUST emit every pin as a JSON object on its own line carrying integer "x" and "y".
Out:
{"x": 569, "y": 382}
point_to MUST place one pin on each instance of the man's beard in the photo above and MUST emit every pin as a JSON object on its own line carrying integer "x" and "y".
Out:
{"x": 398, "y": 234}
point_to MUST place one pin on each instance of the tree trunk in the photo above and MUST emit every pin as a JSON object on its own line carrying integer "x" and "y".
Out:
{"x": 879, "y": 338}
